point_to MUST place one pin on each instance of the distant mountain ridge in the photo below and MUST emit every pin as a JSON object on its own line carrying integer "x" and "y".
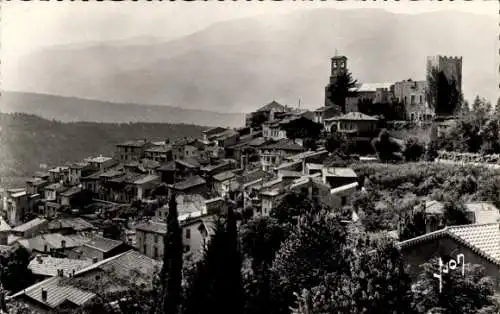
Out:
{"x": 26, "y": 141}
{"x": 239, "y": 65}
{"x": 72, "y": 109}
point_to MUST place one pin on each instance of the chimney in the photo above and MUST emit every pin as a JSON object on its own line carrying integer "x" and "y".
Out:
{"x": 39, "y": 259}
{"x": 63, "y": 244}
{"x": 44, "y": 295}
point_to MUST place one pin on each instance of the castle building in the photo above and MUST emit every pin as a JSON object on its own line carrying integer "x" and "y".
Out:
{"x": 413, "y": 95}
{"x": 450, "y": 66}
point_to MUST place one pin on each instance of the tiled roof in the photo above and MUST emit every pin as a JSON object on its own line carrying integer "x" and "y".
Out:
{"x": 484, "y": 212}
{"x": 103, "y": 244}
{"x": 111, "y": 173}
{"x": 213, "y": 131}
{"x": 344, "y": 188}
{"x": 146, "y": 179}
{"x": 189, "y": 183}
{"x": 272, "y": 105}
{"x": 30, "y": 224}
{"x": 288, "y": 173}
{"x": 49, "y": 266}
{"x": 152, "y": 226}
{"x": 18, "y": 194}
{"x": 139, "y": 143}
{"x": 222, "y": 163}
{"x": 340, "y": 172}
{"x": 4, "y": 226}
{"x": 72, "y": 191}
{"x": 159, "y": 149}
{"x": 431, "y": 207}
{"x": 253, "y": 175}
{"x": 353, "y": 116}
{"x": 188, "y": 162}
{"x": 256, "y": 142}
{"x": 306, "y": 154}
{"x": 36, "y": 181}
{"x": 223, "y": 176}
{"x": 124, "y": 264}
{"x": 169, "y": 166}
{"x": 79, "y": 165}
{"x": 484, "y": 239}
{"x": 284, "y": 144}
{"x": 56, "y": 293}
{"x": 52, "y": 240}
{"x": 76, "y": 223}
{"x": 100, "y": 159}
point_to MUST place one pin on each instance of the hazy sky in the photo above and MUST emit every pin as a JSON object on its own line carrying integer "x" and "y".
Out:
{"x": 27, "y": 26}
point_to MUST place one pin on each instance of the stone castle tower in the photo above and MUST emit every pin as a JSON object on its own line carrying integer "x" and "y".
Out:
{"x": 451, "y": 66}
{"x": 338, "y": 68}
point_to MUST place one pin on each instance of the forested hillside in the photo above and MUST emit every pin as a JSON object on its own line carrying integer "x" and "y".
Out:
{"x": 26, "y": 141}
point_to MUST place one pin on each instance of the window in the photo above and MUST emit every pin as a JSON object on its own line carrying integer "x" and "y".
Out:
{"x": 155, "y": 254}
{"x": 144, "y": 248}
{"x": 343, "y": 200}
{"x": 156, "y": 238}
{"x": 188, "y": 233}
{"x": 421, "y": 99}
{"x": 412, "y": 99}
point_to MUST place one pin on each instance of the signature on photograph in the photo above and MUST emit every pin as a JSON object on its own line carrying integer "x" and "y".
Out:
{"x": 451, "y": 265}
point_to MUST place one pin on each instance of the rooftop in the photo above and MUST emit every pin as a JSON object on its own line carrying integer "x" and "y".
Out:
{"x": 146, "y": 179}
{"x": 213, "y": 131}
{"x": 483, "y": 239}
{"x": 189, "y": 183}
{"x": 30, "y": 224}
{"x": 188, "y": 162}
{"x": 159, "y": 149}
{"x": 353, "y": 116}
{"x": 103, "y": 244}
{"x": 284, "y": 144}
{"x": 223, "y": 176}
{"x": 76, "y": 223}
{"x": 169, "y": 166}
{"x": 345, "y": 187}
{"x": 339, "y": 172}
{"x": 306, "y": 154}
{"x": 72, "y": 191}
{"x": 49, "y": 266}
{"x": 273, "y": 105}
{"x": 137, "y": 143}
{"x": 52, "y": 240}
{"x": 100, "y": 159}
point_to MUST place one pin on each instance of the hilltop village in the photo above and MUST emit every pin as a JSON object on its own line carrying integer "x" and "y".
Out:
{"x": 106, "y": 215}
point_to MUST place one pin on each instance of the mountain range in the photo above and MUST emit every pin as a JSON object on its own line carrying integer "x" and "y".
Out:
{"x": 239, "y": 65}
{"x": 71, "y": 109}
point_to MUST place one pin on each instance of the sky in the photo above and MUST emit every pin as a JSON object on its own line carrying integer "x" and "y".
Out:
{"x": 29, "y": 26}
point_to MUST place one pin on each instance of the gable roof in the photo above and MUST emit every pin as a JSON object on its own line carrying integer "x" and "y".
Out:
{"x": 339, "y": 172}
{"x": 30, "y": 224}
{"x": 57, "y": 294}
{"x": 188, "y": 162}
{"x": 169, "y": 166}
{"x": 75, "y": 223}
{"x": 284, "y": 144}
{"x": 189, "y": 183}
{"x": 52, "y": 240}
{"x": 483, "y": 239}
{"x": 103, "y": 244}
{"x": 273, "y": 105}
{"x": 223, "y": 176}
{"x": 353, "y": 116}
{"x": 49, "y": 266}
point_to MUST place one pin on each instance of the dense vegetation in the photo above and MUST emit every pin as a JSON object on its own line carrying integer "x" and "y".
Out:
{"x": 26, "y": 141}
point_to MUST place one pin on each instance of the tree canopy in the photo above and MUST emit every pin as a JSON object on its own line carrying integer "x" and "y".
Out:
{"x": 342, "y": 88}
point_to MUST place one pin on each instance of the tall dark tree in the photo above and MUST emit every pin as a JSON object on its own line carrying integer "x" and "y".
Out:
{"x": 171, "y": 273}
{"x": 414, "y": 150}
{"x": 233, "y": 265}
{"x": 341, "y": 89}
{"x": 385, "y": 147}
{"x": 302, "y": 128}
{"x": 14, "y": 272}
{"x": 413, "y": 225}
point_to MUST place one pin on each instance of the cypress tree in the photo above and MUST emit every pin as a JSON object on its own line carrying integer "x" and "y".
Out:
{"x": 171, "y": 274}
{"x": 234, "y": 278}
